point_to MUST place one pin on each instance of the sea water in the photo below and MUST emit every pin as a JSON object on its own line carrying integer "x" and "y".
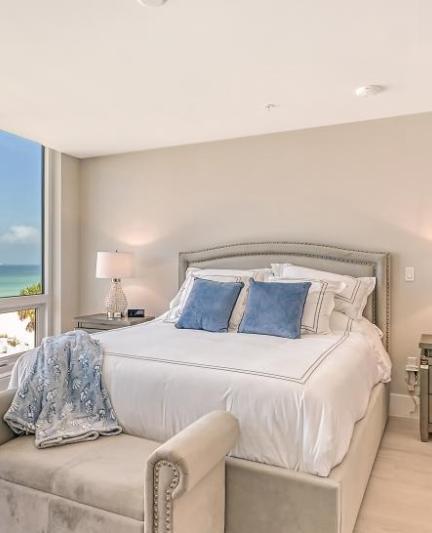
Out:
{"x": 15, "y": 278}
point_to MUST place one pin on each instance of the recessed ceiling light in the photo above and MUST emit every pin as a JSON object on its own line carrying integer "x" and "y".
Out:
{"x": 270, "y": 107}
{"x": 369, "y": 90}
{"x": 151, "y": 3}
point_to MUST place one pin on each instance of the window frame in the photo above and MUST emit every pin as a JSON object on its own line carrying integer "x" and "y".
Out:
{"x": 40, "y": 302}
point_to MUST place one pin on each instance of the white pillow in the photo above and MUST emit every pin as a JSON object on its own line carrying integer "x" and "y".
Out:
{"x": 175, "y": 302}
{"x": 319, "y": 304}
{"x": 341, "y": 322}
{"x": 216, "y": 274}
{"x": 353, "y": 298}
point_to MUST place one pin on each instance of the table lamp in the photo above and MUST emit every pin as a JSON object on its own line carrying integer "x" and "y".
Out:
{"x": 115, "y": 265}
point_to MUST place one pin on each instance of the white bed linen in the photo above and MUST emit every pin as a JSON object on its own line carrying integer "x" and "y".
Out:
{"x": 296, "y": 400}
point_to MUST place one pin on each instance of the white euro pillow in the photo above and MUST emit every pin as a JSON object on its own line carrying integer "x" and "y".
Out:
{"x": 222, "y": 275}
{"x": 351, "y": 300}
{"x": 319, "y": 304}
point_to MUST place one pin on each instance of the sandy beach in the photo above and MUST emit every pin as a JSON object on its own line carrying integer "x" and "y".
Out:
{"x": 13, "y": 327}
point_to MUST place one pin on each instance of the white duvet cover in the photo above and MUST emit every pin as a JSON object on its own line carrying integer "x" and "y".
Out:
{"x": 296, "y": 400}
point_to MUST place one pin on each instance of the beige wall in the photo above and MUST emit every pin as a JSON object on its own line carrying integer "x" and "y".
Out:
{"x": 70, "y": 240}
{"x": 365, "y": 185}
{"x": 66, "y": 242}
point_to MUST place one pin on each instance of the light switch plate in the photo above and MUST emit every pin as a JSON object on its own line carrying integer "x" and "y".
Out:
{"x": 409, "y": 273}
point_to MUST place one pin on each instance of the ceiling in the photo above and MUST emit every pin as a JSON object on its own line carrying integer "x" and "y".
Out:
{"x": 93, "y": 77}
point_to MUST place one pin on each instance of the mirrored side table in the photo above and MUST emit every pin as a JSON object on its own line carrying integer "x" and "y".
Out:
{"x": 425, "y": 386}
{"x": 100, "y": 322}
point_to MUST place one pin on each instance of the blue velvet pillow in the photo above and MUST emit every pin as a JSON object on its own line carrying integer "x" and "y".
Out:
{"x": 274, "y": 309}
{"x": 210, "y": 305}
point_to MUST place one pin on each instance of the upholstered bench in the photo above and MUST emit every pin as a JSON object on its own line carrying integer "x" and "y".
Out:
{"x": 121, "y": 484}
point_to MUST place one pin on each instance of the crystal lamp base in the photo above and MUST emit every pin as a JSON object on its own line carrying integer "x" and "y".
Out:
{"x": 116, "y": 301}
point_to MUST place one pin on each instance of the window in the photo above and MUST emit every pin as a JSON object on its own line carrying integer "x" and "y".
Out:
{"x": 23, "y": 299}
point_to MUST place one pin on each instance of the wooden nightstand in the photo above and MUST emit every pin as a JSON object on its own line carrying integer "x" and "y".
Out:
{"x": 100, "y": 322}
{"x": 425, "y": 386}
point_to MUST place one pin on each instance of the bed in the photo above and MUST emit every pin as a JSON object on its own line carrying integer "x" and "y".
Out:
{"x": 299, "y": 392}
{"x": 267, "y": 498}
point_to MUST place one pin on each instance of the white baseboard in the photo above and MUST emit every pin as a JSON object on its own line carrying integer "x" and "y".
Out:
{"x": 401, "y": 405}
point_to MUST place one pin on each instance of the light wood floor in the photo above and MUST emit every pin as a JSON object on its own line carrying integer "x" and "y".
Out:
{"x": 399, "y": 495}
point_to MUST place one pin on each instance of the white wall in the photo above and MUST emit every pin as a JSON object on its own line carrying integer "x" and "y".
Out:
{"x": 365, "y": 185}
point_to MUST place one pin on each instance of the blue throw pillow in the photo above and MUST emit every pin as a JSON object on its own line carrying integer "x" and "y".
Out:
{"x": 210, "y": 305}
{"x": 274, "y": 309}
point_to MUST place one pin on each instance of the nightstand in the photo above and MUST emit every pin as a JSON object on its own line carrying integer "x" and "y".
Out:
{"x": 100, "y": 322}
{"x": 425, "y": 386}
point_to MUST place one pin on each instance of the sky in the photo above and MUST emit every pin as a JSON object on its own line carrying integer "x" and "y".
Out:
{"x": 20, "y": 200}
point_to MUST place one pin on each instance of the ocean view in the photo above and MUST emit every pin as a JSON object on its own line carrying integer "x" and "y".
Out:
{"x": 21, "y": 239}
{"x": 14, "y": 278}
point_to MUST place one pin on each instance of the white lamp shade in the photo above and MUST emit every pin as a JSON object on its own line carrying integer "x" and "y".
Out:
{"x": 114, "y": 265}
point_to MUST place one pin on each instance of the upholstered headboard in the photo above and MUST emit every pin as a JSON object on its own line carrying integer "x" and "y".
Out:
{"x": 342, "y": 261}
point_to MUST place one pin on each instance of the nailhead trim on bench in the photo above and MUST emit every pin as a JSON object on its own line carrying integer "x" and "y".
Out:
{"x": 168, "y": 495}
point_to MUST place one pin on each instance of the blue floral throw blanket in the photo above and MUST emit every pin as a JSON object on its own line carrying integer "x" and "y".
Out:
{"x": 62, "y": 398}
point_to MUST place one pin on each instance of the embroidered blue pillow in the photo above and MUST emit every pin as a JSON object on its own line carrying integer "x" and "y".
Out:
{"x": 274, "y": 309}
{"x": 210, "y": 305}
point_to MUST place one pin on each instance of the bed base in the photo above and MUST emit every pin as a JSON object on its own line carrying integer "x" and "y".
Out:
{"x": 264, "y": 499}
